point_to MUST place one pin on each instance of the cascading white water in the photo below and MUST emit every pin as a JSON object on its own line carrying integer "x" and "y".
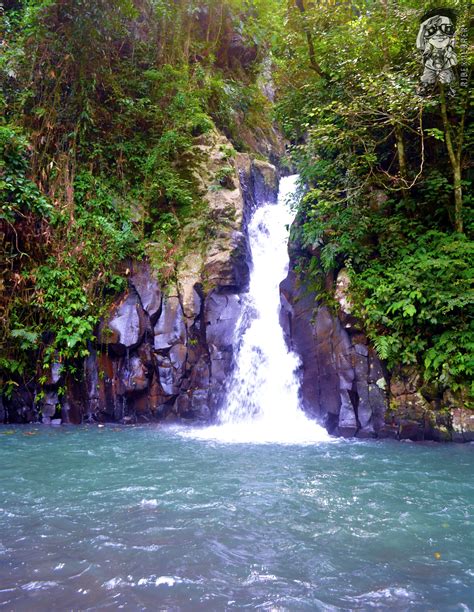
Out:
{"x": 262, "y": 402}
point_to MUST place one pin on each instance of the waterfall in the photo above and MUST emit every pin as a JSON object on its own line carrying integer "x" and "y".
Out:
{"x": 262, "y": 402}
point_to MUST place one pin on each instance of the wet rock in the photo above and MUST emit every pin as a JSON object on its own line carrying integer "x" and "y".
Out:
{"x": 338, "y": 369}
{"x": 223, "y": 260}
{"x": 49, "y": 405}
{"x": 189, "y": 279}
{"x": 171, "y": 369}
{"x": 407, "y": 404}
{"x": 221, "y": 364}
{"x": 145, "y": 352}
{"x": 177, "y": 356}
{"x": 200, "y": 374}
{"x": 157, "y": 399}
{"x": 411, "y": 412}
{"x": 361, "y": 349}
{"x": 133, "y": 375}
{"x": 226, "y": 263}
{"x": 347, "y": 423}
{"x": 146, "y": 285}
{"x": 91, "y": 376}
{"x": 388, "y": 431}
{"x": 109, "y": 385}
{"x": 170, "y": 328}
{"x": 440, "y": 433}
{"x": 462, "y": 424}
{"x": 378, "y": 405}
{"x": 193, "y": 405}
{"x": 54, "y": 374}
{"x": 265, "y": 179}
{"x": 411, "y": 430}
{"x": 221, "y": 313}
{"x": 169, "y": 380}
{"x": 21, "y": 407}
{"x": 126, "y": 325}
{"x": 75, "y": 401}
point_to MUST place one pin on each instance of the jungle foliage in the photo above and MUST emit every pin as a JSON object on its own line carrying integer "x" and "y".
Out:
{"x": 101, "y": 104}
{"x": 103, "y": 101}
{"x": 386, "y": 199}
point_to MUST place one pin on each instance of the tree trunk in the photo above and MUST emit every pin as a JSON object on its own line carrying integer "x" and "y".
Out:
{"x": 458, "y": 224}
{"x": 402, "y": 162}
{"x": 309, "y": 37}
{"x": 455, "y": 160}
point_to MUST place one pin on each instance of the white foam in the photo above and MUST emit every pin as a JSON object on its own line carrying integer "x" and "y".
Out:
{"x": 166, "y": 580}
{"x": 263, "y": 398}
{"x": 255, "y": 577}
{"x": 112, "y": 583}
{"x": 39, "y": 585}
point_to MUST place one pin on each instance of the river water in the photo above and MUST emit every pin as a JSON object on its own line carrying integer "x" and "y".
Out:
{"x": 261, "y": 511}
{"x": 146, "y": 518}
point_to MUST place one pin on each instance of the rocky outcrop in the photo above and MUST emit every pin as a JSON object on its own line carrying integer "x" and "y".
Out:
{"x": 423, "y": 412}
{"x": 462, "y": 424}
{"x": 167, "y": 352}
{"x": 344, "y": 384}
{"x": 342, "y": 380}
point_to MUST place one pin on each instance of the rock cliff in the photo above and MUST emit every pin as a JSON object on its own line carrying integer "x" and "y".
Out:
{"x": 165, "y": 351}
{"x": 344, "y": 384}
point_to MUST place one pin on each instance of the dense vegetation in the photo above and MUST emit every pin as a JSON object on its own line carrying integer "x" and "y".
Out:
{"x": 101, "y": 105}
{"x": 390, "y": 179}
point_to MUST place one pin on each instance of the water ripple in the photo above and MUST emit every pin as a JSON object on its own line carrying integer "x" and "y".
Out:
{"x": 187, "y": 524}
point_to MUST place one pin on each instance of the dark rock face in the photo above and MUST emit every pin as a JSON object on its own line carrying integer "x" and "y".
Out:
{"x": 126, "y": 325}
{"x": 165, "y": 354}
{"x": 344, "y": 384}
{"x": 170, "y": 355}
{"x": 148, "y": 290}
{"x": 342, "y": 381}
{"x": 265, "y": 182}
